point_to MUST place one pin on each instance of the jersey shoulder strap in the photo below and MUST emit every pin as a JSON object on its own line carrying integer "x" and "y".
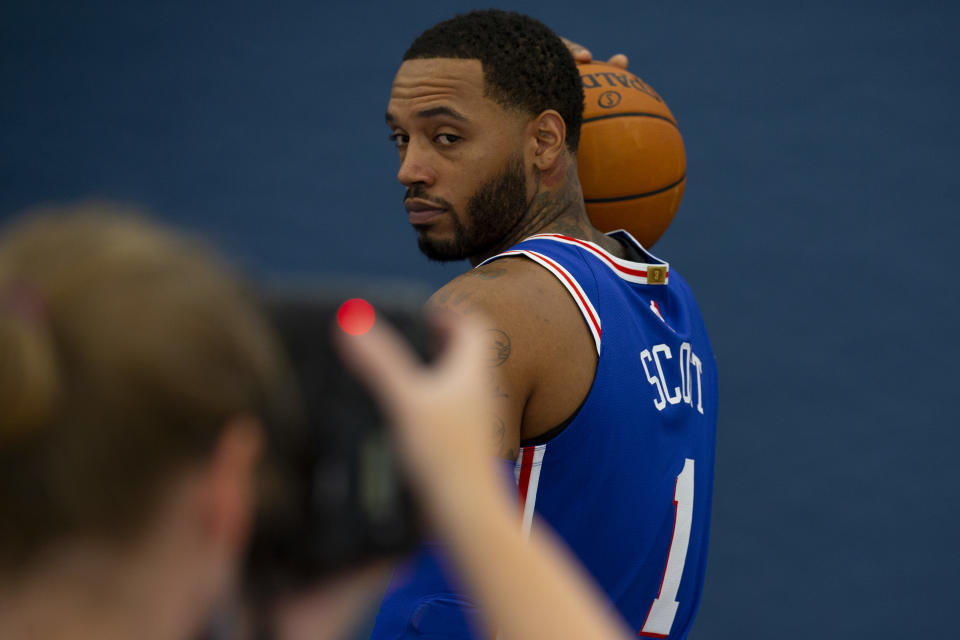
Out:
{"x": 576, "y": 264}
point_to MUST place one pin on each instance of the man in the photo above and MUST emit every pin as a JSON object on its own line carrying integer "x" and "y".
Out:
{"x": 600, "y": 363}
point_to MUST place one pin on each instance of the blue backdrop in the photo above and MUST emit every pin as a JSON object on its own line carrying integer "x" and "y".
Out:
{"x": 816, "y": 230}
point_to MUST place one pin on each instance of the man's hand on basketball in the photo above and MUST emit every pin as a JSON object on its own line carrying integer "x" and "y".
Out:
{"x": 582, "y": 55}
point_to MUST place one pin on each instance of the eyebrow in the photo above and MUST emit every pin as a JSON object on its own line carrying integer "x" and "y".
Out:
{"x": 432, "y": 113}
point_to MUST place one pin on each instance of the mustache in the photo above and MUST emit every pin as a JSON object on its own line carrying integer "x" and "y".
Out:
{"x": 420, "y": 192}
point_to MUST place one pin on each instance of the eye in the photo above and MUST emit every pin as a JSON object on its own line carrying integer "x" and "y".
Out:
{"x": 399, "y": 139}
{"x": 447, "y": 139}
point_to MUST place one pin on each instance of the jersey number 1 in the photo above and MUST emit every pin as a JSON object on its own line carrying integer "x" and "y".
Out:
{"x": 664, "y": 607}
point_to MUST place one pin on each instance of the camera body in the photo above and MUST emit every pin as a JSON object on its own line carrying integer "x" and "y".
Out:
{"x": 333, "y": 495}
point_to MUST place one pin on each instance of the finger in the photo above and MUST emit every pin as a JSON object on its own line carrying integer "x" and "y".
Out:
{"x": 463, "y": 345}
{"x": 619, "y": 60}
{"x": 582, "y": 57}
{"x": 466, "y": 346}
{"x": 581, "y": 54}
{"x": 381, "y": 359}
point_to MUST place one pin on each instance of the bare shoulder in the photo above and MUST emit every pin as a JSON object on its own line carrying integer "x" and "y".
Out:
{"x": 505, "y": 290}
{"x": 540, "y": 346}
{"x": 524, "y": 308}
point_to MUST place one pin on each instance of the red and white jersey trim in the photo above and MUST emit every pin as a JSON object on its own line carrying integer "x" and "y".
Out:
{"x": 526, "y": 470}
{"x": 635, "y": 272}
{"x": 630, "y": 271}
{"x": 567, "y": 280}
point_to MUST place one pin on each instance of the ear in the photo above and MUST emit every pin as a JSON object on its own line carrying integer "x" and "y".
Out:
{"x": 229, "y": 492}
{"x": 550, "y": 134}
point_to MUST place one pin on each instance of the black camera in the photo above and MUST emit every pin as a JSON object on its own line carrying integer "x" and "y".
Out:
{"x": 333, "y": 496}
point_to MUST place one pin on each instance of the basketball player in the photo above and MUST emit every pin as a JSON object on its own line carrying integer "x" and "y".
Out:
{"x": 599, "y": 361}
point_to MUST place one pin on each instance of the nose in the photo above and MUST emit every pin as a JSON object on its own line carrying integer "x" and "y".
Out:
{"x": 415, "y": 167}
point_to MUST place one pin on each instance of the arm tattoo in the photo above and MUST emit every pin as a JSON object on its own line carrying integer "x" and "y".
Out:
{"x": 500, "y": 346}
{"x": 462, "y": 297}
{"x": 491, "y": 274}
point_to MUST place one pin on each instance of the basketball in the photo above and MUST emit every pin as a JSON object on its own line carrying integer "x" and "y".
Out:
{"x": 631, "y": 160}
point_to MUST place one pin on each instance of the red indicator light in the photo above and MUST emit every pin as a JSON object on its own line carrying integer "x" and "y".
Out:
{"x": 356, "y": 316}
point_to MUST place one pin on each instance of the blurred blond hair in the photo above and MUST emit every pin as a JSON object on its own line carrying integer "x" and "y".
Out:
{"x": 124, "y": 350}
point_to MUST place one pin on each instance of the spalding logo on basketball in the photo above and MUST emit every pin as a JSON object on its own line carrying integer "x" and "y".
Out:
{"x": 609, "y": 99}
{"x": 631, "y": 159}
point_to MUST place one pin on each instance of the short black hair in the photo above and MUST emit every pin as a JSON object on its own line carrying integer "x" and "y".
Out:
{"x": 525, "y": 64}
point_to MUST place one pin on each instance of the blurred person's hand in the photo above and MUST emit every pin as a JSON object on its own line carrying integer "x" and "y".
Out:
{"x": 440, "y": 413}
{"x": 527, "y": 588}
{"x": 332, "y": 609}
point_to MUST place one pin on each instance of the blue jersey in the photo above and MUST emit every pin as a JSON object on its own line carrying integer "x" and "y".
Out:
{"x": 628, "y": 483}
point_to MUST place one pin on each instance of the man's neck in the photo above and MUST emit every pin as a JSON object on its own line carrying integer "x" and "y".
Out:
{"x": 556, "y": 207}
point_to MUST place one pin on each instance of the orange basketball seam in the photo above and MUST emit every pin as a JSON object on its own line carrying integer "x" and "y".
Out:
{"x": 629, "y": 113}
{"x": 635, "y": 196}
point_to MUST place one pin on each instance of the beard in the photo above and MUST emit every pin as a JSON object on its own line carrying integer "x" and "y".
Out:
{"x": 493, "y": 211}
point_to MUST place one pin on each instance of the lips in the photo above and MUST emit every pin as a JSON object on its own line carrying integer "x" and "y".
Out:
{"x": 422, "y": 212}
